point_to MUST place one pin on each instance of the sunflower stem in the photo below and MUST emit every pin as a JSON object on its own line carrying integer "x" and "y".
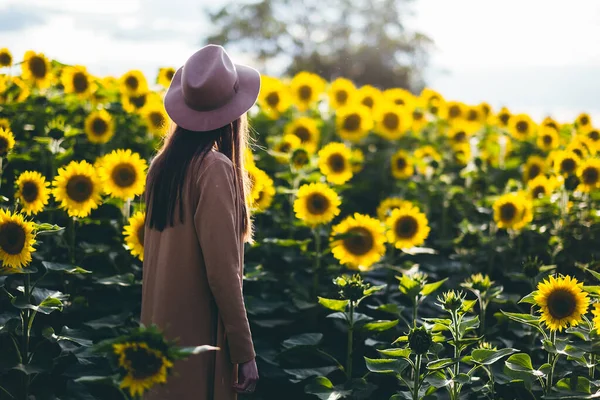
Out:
{"x": 551, "y": 361}
{"x": 350, "y": 340}
{"x": 72, "y": 240}
{"x": 1, "y": 170}
{"x": 127, "y": 210}
{"x": 317, "y": 272}
{"x": 417, "y": 377}
{"x": 25, "y": 339}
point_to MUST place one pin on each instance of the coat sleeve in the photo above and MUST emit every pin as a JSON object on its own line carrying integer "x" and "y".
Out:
{"x": 216, "y": 225}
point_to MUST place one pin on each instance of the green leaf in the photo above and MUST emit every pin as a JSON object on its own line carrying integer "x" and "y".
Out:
{"x": 488, "y": 357}
{"x": 305, "y": 339}
{"x": 126, "y": 279}
{"x": 335, "y": 305}
{"x": 301, "y": 374}
{"x": 527, "y": 319}
{"x": 468, "y": 305}
{"x": 45, "y": 229}
{"x": 47, "y": 301}
{"x": 468, "y": 324}
{"x": 401, "y": 339}
{"x": 324, "y": 389}
{"x": 386, "y": 365}
{"x": 462, "y": 379}
{"x": 438, "y": 379}
{"x": 400, "y": 353}
{"x": 529, "y": 298}
{"x": 373, "y": 289}
{"x": 592, "y": 272}
{"x": 441, "y": 363}
{"x": 69, "y": 269}
{"x": 521, "y": 362}
{"x": 432, "y": 287}
{"x": 379, "y": 326}
{"x": 110, "y": 321}
{"x": 580, "y": 384}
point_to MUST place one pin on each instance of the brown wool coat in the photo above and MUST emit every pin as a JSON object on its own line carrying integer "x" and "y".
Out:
{"x": 192, "y": 285}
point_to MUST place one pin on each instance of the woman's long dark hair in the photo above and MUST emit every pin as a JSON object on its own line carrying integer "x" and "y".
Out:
{"x": 167, "y": 172}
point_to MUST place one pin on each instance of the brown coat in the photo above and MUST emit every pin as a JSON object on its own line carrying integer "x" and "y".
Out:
{"x": 192, "y": 284}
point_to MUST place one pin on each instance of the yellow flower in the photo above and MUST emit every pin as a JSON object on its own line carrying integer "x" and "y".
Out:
{"x": 581, "y": 146}
{"x": 274, "y": 97}
{"x": 547, "y": 138}
{"x": 36, "y": 69}
{"x": 165, "y": 75}
{"x": 123, "y": 174}
{"x": 145, "y": 367}
{"x": 257, "y": 181}
{"x": 562, "y": 302}
{"x": 6, "y": 58}
{"x": 5, "y": 124}
{"x": 513, "y": 211}
{"x": 77, "y": 188}
{"x": 32, "y": 191}
{"x": 541, "y": 186}
{"x": 521, "y": 126}
{"x": 248, "y": 157}
{"x": 138, "y": 103}
{"x": 475, "y": 115}
{"x": 402, "y": 165}
{"x": 462, "y": 153}
{"x": 593, "y": 136}
{"x": 342, "y": 92}
{"x": 334, "y": 163}
{"x": 583, "y": 121}
{"x": 438, "y": 109}
{"x": 306, "y": 130}
{"x": 156, "y": 118}
{"x": 550, "y": 123}
{"x": 407, "y": 227}
{"x": 133, "y": 83}
{"x": 99, "y": 127}
{"x": 286, "y": 145}
{"x": 316, "y": 204}
{"x": 589, "y": 175}
{"x": 16, "y": 240}
{"x": 358, "y": 241}
{"x": 265, "y": 195}
{"x": 400, "y": 97}
{"x": 300, "y": 158}
{"x": 389, "y": 204}
{"x": 486, "y": 110}
{"x": 370, "y": 97}
{"x": 460, "y": 133}
{"x": 7, "y": 142}
{"x": 429, "y": 95}
{"x": 419, "y": 118}
{"x": 134, "y": 234}
{"x": 306, "y": 88}
{"x": 392, "y": 121}
{"x": 503, "y": 118}
{"x": 76, "y": 80}
{"x": 534, "y": 166}
{"x": 353, "y": 122}
{"x": 16, "y": 92}
{"x": 566, "y": 163}
{"x": 456, "y": 110}
{"x": 357, "y": 160}
{"x": 596, "y": 314}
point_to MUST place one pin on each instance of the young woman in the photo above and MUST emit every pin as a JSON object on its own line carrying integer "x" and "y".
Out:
{"x": 197, "y": 221}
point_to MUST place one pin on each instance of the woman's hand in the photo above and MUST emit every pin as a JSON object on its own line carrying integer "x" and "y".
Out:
{"x": 247, "y": 377}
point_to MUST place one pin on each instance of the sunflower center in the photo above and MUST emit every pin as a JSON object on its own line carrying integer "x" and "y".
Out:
{"x": 534, "y": 170}
{"x": 352, "y": 122}
{"x": 538, "y": 191}
{"x": 302, "y": 133}
{"x": 317, "y": 204}
{"x": 368, "y": 101}
{"x": 547, "y": 139}
{"x": 594, "y": 135}
{"x": 472, "y": 115}
{"x": 590, "y": 175}
{"x": 418, "y": 115}
{"x": 401, "y": 163}
{"x": 5, "y": 59}
{"x": 359, "y": 241}
{"x": 522, "y": 126}
{"x": 124, "y": 175}
{"x": 12, "y": 238}
{"x": 584, "y": 120}
{"x": 132, "y": 82}
{"x": 337, "y": 162}
{"x": 80, "y": 188}
{"x": 285, "y": 147}
{"x": 99, "y": 126}
{"x": 399, "y": 102}
{"x": 38, "y": 67}
{"x": 552, "y": 124}
{"x": 3, "y": 146}
{"x": 138, "y": 101}
{"x": 144, "y": 363}
{"x": 561, "y": 303}
{"x": 140, "y": 234}
{"x": 80, "y": 82}
{"x": 156, "y": 119}
{"x": 169, "y": 74}
{"x": 341, "y": 96}
{"x": 504, "y": 118}
{"x": 460, "y": 136}
{"x": 406, "y": 227}
{"x": 508, "y": 212}
{"x": 305, "y": 92}
{"x": 300, "y": 158}
{"x": 391, "y": 121}
{"x": 272, "y": 99}
{"x": 454, "y": 111}
{"x": 29, "y": 191}
{"x": 568, "y": 165}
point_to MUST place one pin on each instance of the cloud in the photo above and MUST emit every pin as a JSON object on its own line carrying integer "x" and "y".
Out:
{"x": 15, "y": 18}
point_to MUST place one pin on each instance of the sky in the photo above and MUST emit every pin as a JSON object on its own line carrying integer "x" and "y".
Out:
{"x": 536, "y": 56}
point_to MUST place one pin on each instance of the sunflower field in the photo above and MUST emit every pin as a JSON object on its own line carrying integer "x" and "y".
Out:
{"x": 407, "y": 246}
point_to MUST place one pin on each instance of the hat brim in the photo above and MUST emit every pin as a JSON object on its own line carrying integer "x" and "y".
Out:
{"x": 194, "y": 120}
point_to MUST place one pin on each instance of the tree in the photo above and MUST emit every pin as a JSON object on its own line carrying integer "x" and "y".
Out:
{"x": 363, "y": 40}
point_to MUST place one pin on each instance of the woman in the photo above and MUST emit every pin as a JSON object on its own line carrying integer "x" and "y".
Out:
{"x": 197, "y": 221}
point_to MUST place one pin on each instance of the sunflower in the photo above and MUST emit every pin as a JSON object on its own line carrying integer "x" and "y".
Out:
{"x": 341, "y": 93}
{"x": 475, "y": 115}
{"x": 583, "y": 121}
{"x": 593, "y": 136}
{"x": 426, "y": 158}
{"x": 133, "y": 83}
{"x": 306, "y": 88}
{"x": 562, "y": 302}
{"x": 76, "y": 80}
{"x": 389, "y": 204}
{"x": 419, "y": 118}
{"x": 334, "y": 163}
{"x": 307, "y": 130}
{"x": 138, "y": 103}
{"x": 596, "y": 314}
{"x": 486, "y": 110}
{"x": 145, "y": 367}
{"x": 78, "y": 188}
{"x": 357, "y": 160}
{"x": 547, "y": 138}
{"x": 285, "y": 146}
{"x": 265, "y": 195}
{"x": 5, "y": 124}
{"x": 16, "y": 240}
{"x": 134, "y": 234}
{"x": 165, "y": 75}
{"x": 392, "y": 121}
{"x": 358, "y": 241}
{"x": 438, "y": 109}
{"x": 6, "y": 58}
{"x": 17, "y": 91}
{"x": 460, "y": 134}
{"x": 369, "y": 96}
{"x": 566, "y": 163}
{"x": 123, "y": 174}
{"x": 300, "y": 158}
{"x": 400, "y": 97}
{"x": 456, "y": 110}
{"x": 316, "y": 204}
{"x": 534, "y": 166}
{"x": 256, "y": 177}
{"x": 462, "y": 153}
{"x": 521, "y": 126}
{"x": 503, "y": 118}
{"x": 589, "y": 175}
{"x": 551, "y": 123}
{"x": 353, "y": 122}
{"x": 429, "y": 95}
{"x": 402, "y": 165}
{"x": 541, "y": 186}
{"x": 407, "y": 227}
{"x": 7, "y": 142}
{"x": 274, "y": 97}
{"x": 99, "y": 127}
{"x": 513, "y": 211}
{"x": 36, "y": 69}
{"x": 32, "y": 191}
{"x": 156, "y": 118}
